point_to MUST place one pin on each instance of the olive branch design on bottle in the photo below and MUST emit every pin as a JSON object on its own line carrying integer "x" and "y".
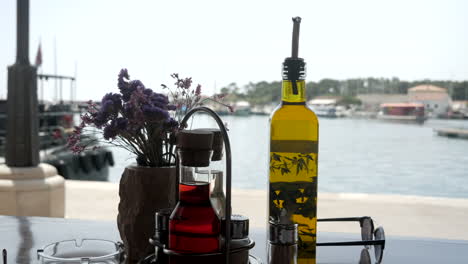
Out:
{"x": 284, "y": 164}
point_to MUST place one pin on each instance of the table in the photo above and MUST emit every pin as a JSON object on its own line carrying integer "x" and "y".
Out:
{"x": 22, "y": 236}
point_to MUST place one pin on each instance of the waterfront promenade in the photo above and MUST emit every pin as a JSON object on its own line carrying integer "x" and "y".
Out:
{"x": 401, "y": 215}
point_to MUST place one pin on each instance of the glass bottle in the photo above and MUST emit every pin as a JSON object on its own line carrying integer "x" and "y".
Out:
{"x": 194, "y": 226}
{"x": 293, "y": 156}
{"x": 217, "y": 195}
{"x": 218, "y": 198}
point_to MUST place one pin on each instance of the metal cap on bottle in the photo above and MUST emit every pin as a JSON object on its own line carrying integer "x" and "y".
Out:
{"x": 283, "y": 234}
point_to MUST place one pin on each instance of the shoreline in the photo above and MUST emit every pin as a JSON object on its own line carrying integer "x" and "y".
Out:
{"x": 400, "y": 215}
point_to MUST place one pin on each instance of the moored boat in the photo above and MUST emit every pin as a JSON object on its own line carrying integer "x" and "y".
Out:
{"x": 55, "y": 125}
{"x": 327, "y": 107}
{"x": 402, "y": 112}
{"x": 452, "y": 132}
{"x": 242, "y": 108}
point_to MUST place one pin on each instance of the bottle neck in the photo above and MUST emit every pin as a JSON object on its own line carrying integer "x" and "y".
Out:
{"x": 290, "y": 96}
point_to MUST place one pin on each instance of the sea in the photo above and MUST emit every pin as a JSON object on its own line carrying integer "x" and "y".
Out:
{"x": 355, "y": 156}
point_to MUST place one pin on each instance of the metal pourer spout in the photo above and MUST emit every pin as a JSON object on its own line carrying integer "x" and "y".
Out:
{"x": 293, "y": 66}
{"x": 295, "y": 37}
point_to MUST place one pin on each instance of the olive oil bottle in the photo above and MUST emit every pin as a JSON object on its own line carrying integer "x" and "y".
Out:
{"x": 293, "y": 156}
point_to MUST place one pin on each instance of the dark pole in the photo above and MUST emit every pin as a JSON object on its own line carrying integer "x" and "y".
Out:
{"x": 22, "y": 139}
{"x": 22, "y": 32}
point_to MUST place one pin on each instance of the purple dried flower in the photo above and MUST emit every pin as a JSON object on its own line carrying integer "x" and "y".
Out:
{"x": 77, "y": 148}
{"x": 128, "y": 110}
{"x": 111, "y": 104}
{"x": 110, "y": 131}
{"x": 127, "y": 88}
{"x": 159, "y": 100}
{"x": 126, "y": 95}
{"x": 154, "y": 113}
{"x": 86, "y": 119}
{"x": 122, "y": 82}
{"x": 186, "y": 83}
{"x": 123, "y": 74}
{"x": 114, "y": 97}
{"x": 74, "y": 139}
{"x": 171, "y": 124}
{"x": 78, "y": 129}
{"x": 107, "y": 106}
{"x": 92, "y": 107}
{"x": 137, "y": 97}
{"x": 148, "y": 92}
{"x": 140, "y": 113}
{"x": 100, "y": 118}
{"x": 134, "y": 84}
{"x": 121, "y": 123}
{"x": 182, "y": 83}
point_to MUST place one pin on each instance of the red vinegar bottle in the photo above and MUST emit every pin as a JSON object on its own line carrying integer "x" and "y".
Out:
{"x": 194, "y": 226}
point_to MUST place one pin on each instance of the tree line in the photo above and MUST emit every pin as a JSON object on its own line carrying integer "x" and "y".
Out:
{"x": 263, "y": 92}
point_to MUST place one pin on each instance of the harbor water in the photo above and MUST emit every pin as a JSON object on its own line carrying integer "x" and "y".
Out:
{"x": 355, "y": 155}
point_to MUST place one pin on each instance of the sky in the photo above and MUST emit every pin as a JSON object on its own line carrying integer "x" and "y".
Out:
{"x": 242, "y": 41}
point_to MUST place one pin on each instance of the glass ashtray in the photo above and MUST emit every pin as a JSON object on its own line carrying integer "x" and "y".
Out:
{"x": 84, "y": 251}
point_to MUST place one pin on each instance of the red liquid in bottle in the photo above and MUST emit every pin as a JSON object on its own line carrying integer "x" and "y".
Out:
{"x": 194, "y": 226}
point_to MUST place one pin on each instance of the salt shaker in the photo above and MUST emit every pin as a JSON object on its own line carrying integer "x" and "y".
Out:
{"x": 239, "y": 239}
{"x": 282, "y": 244}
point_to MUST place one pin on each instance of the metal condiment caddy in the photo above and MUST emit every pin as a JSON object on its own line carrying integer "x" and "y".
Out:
{"x": 235, "y": 243}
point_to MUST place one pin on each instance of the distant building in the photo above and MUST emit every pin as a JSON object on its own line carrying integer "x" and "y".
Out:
{"x": 372, "y": 102}
{"x": 436, "y": 100}
{"x": 324, "y": 101}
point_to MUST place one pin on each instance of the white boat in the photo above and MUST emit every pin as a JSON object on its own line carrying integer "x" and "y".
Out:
{"x": 331, "y": 111}
{"x": 327, "y": 108}
{"x": 242, "y": 108}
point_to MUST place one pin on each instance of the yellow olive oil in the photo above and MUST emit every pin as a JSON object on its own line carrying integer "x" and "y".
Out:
{"x": 293, "y": 157}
